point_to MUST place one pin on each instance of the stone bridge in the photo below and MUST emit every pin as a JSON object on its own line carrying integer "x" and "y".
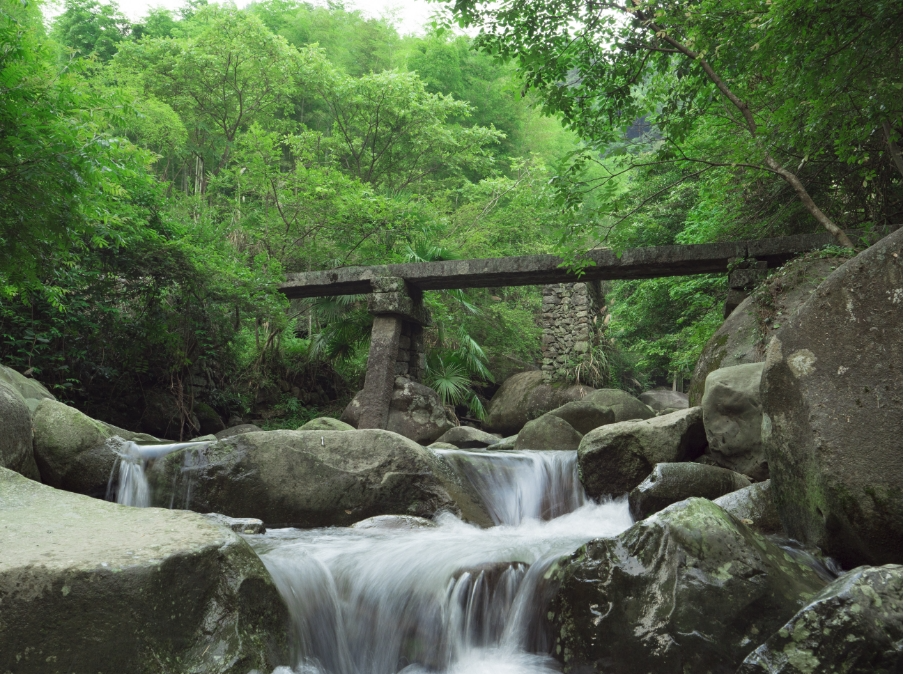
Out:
{"x": 395, "y": 293}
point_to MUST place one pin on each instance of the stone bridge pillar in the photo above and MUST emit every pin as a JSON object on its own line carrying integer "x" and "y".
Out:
{"x": 396, "y": 345}
{"x": 743, "y": 276}
{"x": 573, "y": 319}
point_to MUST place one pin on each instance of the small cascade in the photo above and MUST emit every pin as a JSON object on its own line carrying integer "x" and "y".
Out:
{"x": 516, "y": 486}
{"x": 128, "y": 483}
{"x": 456, "y": 598}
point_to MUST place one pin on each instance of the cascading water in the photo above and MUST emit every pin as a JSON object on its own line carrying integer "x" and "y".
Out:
{"x": 128, "y": 483}
{"x": 452, "y": 598}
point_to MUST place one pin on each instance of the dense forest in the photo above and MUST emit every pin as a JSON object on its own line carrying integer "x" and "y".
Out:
{"x": 159, "y": 178}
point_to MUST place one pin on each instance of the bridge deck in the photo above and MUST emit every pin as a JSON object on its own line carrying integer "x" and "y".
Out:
{"x": 636, "y": 263}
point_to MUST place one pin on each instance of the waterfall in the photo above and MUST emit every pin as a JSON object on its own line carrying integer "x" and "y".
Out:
{"x": 128, "y": 483}
{"x": 454, "y": 598}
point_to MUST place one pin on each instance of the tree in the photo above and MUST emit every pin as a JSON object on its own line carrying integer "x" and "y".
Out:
{"x": 231, "y": 73}
{"x": 779, "y": 85}
{"x": 90, "y": 28}
{"x": 389, "y": 131}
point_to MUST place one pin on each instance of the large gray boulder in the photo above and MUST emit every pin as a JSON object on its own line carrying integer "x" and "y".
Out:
{"x": 237, "y": 430}
{"x": 832, "y": 412}
{"x": 661, "y": 399}
{"x": 548, "y": 432}
{"x": 466, "y": 437}
{"x": 31, "y": 390}
{"x": 624, "y": 406}
{"x": 323, "y": 424}
{"x": 754, "y": 506}
{"x": 15, "y": 433}
{"x": 75, "y": 452}
{"x": 100, "y": 587}
{"x": 305, "y": 478}
{"x": 673, "y": 482}
{"x": 614, "y": 459}
{"x": 415, "y": 412}
{"x": 524, "y": 397}
{"x": 746, "y": 332}
{"x": 689, "y": 589}
{"x": 852, "y": 627}
{"x": 585, "y": 415}
{"x": 732, "y": 416}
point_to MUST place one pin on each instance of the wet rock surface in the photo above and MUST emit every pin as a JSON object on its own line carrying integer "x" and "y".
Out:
{"x": 106, "y": 588}
{"x": 304, "y": 478}
{"x": 690, "y": 589}
{"x": 853, "y": 627}
{"x": 616, "y": 458}
{"x": 16, "y": 451}
{"x": 732, "y": 416}
{"x": 524, "y": 397}
{"x": 832, "y": 406}
{"x": 754, "y": 506}
{"x": 673, "y": 482}
{"x": 394, "y": 523}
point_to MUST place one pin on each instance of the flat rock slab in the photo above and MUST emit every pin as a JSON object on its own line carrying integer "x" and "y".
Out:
{"x": 673, "y": 482}
{"x": 92, "y": 586}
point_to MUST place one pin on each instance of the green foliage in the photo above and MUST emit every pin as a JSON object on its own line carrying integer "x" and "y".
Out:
{"x": 90, "y": 28}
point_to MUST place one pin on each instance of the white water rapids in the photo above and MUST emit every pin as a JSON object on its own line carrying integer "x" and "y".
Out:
{"x": 454, "y": 598}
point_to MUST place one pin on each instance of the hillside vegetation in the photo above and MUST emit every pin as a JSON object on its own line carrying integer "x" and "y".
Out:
{"x": 158, "y": 179}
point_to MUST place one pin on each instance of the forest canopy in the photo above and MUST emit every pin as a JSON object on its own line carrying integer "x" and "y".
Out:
{"x": 159, "y": 177}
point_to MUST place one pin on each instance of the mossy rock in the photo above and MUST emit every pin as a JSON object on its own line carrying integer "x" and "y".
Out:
{"x": 690, "y": 589}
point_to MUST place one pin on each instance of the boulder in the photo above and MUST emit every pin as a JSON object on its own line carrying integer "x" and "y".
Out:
{"x": 465, "y": 437}
{"x": 673, "y": 482}
{"x": 210, "y": 422}
{"x": 585, "y": 415}
{"x": 852, "y": 626}
{"x": 240, "y": 525}
{"x": 832, "y": 412}
{"x": 506, "y": 444}
{"x": 75, "y": 452}
{"x": 689, "y": 589}
{"x": 325, "y": 424}
{"x": 441, "y": 445}
{"x": 415, "y": 412}
{"x": 732, "y": 416}
{"x": 15, "y": 433}
{"x": 29, "y": 389}
{"x": 107, "y": 588}
{"x": 394, "y": 523}
{"x": 753, "y": 505}
{"x": 548, "y": 432}
{"x": 746, "y": 332}
{"x": 304, "y": 478}
{"x": 614, "y": 459}
{"x": 662, "y": 399}
{"x": 524, "y": 397}
{"x": 237, "y": 430}
{"x": 624, "y": 406}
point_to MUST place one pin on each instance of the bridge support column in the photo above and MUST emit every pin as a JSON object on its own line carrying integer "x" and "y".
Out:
{"x": 396, "y": 345}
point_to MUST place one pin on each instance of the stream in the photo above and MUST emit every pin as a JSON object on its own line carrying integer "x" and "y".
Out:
{"x": 442, "y": 597}
{"x": 453, "y": 598}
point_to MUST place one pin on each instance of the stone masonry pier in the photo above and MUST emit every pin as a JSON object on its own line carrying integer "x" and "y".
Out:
{"x": 571, "y": 302}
